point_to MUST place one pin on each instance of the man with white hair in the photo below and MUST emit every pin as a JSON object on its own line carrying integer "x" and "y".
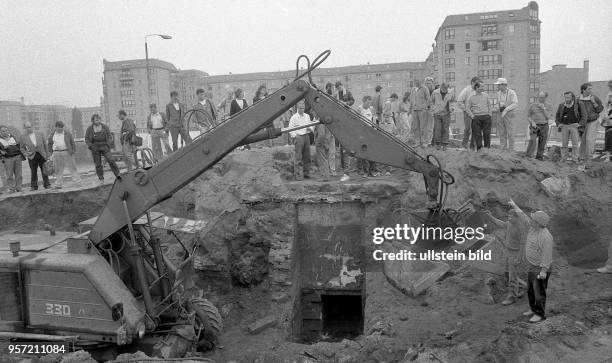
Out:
{"x": 507, "y": 101}
{"x": 538, "y": 255}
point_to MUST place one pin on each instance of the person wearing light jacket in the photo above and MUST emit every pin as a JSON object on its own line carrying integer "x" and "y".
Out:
{"x": 62, "y": 148}
{"x": 593, "y": 107}
{"x": 441, "y": 100}
{"x": 508, "y": 102}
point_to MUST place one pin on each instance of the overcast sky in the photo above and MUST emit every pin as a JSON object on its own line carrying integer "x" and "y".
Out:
{"x": 51, "y": 50}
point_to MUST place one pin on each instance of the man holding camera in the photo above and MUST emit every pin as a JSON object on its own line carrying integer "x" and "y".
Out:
{"x": 538, "y": 116}
{"x": 507, "y": 101}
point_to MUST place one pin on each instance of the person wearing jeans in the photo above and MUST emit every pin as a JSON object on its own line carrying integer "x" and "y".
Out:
{"x": 175, "y": 111}
{"x": 567, "y": 120}
{"x": 479, "y": 111}
{"x": 157, "y": 127}
{"x": 62, "y": 146}
{"x": 538, "y": 116}
{"x": 11, "y": 157}
{"x": 593, "y": 107}
{"x": 441, "y": 99}
{"x": 538, "y": 255}
{"x": 301, "y": 140}
{"x": 419, "y": 104}
{"x": 99, "y": 140}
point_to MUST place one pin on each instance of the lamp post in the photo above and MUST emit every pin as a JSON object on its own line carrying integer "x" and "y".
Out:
{"x": 163, "y": 36}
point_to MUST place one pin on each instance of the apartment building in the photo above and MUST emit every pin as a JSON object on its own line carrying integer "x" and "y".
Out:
{"x": 491, "y": 45}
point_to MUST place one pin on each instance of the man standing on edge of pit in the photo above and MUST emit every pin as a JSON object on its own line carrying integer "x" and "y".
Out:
{"x": 34, "y": 147}
{"x": 301, "y": 140}
{"x": 466, "y": 93}
{"x": 538, "y": 116}
{"x": 507, "y": 101}
{"x": 175, "y": 111}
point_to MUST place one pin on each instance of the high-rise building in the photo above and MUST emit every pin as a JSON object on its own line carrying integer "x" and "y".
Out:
{"x": 125, "y": 87}
{"x": 492, "y": 45}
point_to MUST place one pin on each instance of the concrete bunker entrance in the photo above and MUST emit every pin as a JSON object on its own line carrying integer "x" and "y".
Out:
{"x": 329, "y": 271}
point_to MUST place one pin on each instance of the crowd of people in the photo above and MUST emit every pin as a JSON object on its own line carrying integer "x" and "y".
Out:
{"x": 421, "y": 118}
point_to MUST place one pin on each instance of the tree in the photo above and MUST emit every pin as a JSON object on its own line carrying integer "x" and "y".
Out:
{"x": 77, "y": 123}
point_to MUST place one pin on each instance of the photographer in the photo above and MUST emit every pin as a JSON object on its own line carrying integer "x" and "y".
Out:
{"x": 508, "y": 101}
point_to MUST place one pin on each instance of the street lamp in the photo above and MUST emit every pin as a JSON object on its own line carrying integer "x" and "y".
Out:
{"x": 163, "y": 36}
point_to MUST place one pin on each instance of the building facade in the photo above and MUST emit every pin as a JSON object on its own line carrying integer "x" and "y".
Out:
{"x": 124, "y": 86}
{"x": 13, "y": 114}
{"x": 561, "y": 79}
{"x": 491, "y": 45}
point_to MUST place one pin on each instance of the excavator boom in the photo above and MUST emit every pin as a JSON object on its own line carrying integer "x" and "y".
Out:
{"x": 139, "y": 190}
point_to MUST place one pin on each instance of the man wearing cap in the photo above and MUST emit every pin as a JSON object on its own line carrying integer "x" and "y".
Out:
{"x": 507, "y": 101}
{"x": 539, "y": 255}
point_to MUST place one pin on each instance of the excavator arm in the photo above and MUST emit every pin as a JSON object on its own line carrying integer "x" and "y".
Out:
{"x": 138, "y": 190}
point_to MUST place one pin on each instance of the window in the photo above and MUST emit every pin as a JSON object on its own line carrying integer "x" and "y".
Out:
{"x": 533, "y": 72}
{"x": 125, "y": 103}
{"x": 488, "y": 29}
{"x": 485, "y": 60}
{"x": 467, "y": 47}
{"x": 534, "y": 86}
{"x": 126, "y": 73}
{"x": 378, "y": 76}
{"x": 368, "y": 76}
{"x": 534, "y": 43}
{"x": 511, "y": 29}
{"x": 534, "y": 28}
{"x": 126, "y": 83}
{"x": 488, "y": 16}
{"x": 468, "y": 61}
{"x": 449, "y": 62}
{"x": 533, "y": 13}
{"x": 533, "y": 99}
{"x": 347, "y": 78}
{"x": 131, "y": 113}
{"x": 449, "y": 48}
{"x": 449, "y": 77}
{"x": 489, "y": 73}
{"x": 511, "y": 15}
{"x": 490, "y": 45}
{"x": 449, "y": 33}
{"x": 127, "y": 93}
{"x": 534, "y": 58}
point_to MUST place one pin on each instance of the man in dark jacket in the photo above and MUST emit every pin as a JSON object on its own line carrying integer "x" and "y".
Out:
{"x": 128, "y": 135}
{"x": 175, "y": 111}
{"x": 205, "y": 113}
{"x": 567, "y": 119}
{"x": 593, "y": 107}
{"x": 62, "y": 148}
{"x": 99, "y": 140}
{"x": 11, "y": 157}
{"x": 34, "y": 147}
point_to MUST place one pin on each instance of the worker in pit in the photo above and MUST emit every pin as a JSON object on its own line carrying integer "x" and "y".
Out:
{"x": 513, "y": 244}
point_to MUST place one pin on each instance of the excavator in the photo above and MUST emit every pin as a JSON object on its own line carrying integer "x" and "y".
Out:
{"x": 115, "y": 286}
